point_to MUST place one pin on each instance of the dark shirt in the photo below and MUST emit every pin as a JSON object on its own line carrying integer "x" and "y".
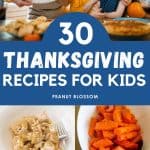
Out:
{"x": 109, "y": 5}
{"x": 2, "y": 10}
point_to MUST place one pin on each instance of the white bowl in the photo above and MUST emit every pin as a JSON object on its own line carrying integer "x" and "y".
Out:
{"x": 9, "y": 114}
{"x": 142, "y": 114}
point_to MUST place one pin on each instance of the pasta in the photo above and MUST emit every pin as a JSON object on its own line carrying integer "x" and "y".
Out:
{"x": 33, "y": 133}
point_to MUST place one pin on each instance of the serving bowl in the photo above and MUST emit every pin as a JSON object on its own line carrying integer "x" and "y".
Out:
{"x": 86, "y": 112}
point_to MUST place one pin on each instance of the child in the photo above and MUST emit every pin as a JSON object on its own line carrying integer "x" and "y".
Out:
{"x": 110, "y": 8}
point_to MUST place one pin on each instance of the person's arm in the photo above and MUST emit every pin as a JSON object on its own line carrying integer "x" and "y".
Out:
{"x": 64, "y": 2}
{"x": 126, "y": 2}
{"x": 21, "y": 3}
{"x": 87, "y": 7}
{"x": 118, "y": 13}
{"x": 96, "y": 11}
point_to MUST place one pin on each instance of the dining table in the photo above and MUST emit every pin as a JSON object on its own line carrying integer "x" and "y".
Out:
{"x": 4, "y": 36}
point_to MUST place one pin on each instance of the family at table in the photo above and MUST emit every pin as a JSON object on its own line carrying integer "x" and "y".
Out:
{"x": 96, "y": 8}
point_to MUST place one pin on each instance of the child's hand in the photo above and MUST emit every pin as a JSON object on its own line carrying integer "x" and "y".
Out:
{"x": 126, "y": 2}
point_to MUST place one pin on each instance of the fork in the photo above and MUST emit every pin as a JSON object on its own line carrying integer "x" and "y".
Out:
{"x": 62, "y": 133}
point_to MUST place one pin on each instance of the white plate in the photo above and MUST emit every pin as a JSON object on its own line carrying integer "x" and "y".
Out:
{"x": 142, "y": 113}
{"x": 8, "y": 114}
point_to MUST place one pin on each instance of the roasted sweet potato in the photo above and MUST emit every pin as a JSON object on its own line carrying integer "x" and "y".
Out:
{"x": 108, "y": 116}
{"x": 127, "y": 136}
{"x": 108, "y": 134}
{"x": 101, "y": 109}
{"x": 137, "y": 139}
{"x": 114, "y": 128}
{"x": 127, "y": 144}
{"x": 99, "y": 134}
{"x": 102, "y": 143}
{"x": 117, "y": 115}
{"x": 93, "y": 140}
{"x": 118, "y": 148}
{"x": 92, "y": 127}
{"x": 126, "y": 129}
{"x": 104, "y": 148}
{"x": 92, "y": 148}
{"x": 128, "y": 117}
{"x": 106, "y": 125}
{"x": 110, "y": 108}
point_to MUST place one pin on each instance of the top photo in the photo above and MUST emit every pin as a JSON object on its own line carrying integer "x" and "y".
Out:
{"x": 27, "y": 20}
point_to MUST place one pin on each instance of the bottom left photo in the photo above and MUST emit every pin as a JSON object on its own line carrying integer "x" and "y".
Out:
{"x": 37, "y": 128}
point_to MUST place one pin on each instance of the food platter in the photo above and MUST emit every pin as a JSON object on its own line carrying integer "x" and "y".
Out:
{"x": 135, "y": 19}
{"x": 128, "y": 29}
{"x": 22, "y": 27}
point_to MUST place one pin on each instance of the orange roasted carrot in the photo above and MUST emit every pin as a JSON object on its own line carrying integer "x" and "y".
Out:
{"x": 32, "y": 37}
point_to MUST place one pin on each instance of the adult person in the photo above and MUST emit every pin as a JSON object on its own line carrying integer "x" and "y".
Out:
{"x": 48, "y": 8}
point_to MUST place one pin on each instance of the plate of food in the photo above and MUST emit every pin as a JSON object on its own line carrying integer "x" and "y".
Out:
{"x": 128, "y": 28}
{"x": 28, "y": 30}
{"x": 134, "y": 19}
{"x": 34, "y": 127}
{"x": 113, "y": 127}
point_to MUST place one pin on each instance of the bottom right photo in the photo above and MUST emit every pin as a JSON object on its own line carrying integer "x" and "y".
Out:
{"x": 113, "y": 127}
